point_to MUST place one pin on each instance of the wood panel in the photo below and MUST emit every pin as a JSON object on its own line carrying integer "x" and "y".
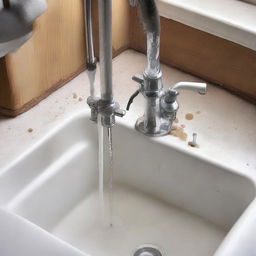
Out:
{"x": 55, "y": 54}
{"x": 6, "y": 94}
{"x": 120, "y": 26}
{"x": 199, "y": 53}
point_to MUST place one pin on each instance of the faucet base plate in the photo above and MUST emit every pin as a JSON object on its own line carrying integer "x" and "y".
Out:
{"x": 152, "y": 132}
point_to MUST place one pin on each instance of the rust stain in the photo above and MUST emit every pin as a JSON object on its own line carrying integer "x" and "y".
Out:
{"x": 178, "y": 131}
{"x": 189, "y": 116}
{"x": 192, "y": 145}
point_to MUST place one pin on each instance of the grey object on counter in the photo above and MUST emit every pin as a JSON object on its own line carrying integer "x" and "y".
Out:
{"x": 16, "y": 23}
{"x": 28, "y": 10}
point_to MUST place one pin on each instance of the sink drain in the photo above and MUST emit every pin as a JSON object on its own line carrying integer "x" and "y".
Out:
{"x": 147, "y": 250}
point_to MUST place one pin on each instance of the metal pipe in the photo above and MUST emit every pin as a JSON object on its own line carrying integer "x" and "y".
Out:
{"x": 91, "y": 60}
{"x": 161, "y": 105}
{"x": 105, "y": 32}
{"x": 89, "y": 32}
{"x": 105, "y": 106}
{"x": 151, "y": 23}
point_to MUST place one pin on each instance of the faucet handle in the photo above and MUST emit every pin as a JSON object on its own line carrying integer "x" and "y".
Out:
{"x": 120, "y": 112}
{"x": 193, "y": 86}
{"x": 170, "y": 96}
{"x": 138, "y": 79}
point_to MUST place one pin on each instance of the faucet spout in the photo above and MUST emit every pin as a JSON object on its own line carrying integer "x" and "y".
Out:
{"x": 192, "y": 86}
{"x": 161, "y": 105}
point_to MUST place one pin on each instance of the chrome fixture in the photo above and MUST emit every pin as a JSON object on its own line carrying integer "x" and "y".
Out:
{"x": 91, "y": 61}
{"x": 148, "y": 250}
{"x": 161, "y": 105}
{"x": 193, "y": 143}
{"x": 105, "y": 105}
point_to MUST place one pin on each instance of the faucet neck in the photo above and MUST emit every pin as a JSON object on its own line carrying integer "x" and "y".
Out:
{"x": 151, "y": 23}
{"x": 105, "y": 34}
{"x": 150, "y": 84}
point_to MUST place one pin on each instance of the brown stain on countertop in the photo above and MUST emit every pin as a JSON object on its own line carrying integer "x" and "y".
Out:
{"x": 178, "y": 131}
{"x": 176, "y": 120}
{"x": 190, "y": 143}
{"x": 189, "y": 116}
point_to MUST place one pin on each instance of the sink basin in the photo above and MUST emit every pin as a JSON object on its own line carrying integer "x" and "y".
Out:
{"x": 162, "y": 195}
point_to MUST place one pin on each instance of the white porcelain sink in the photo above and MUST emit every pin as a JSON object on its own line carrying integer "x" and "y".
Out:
{"x": 175, "y": 200}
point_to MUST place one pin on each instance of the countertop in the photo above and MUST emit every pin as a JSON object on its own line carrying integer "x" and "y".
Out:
{"x": 224, "y": 123}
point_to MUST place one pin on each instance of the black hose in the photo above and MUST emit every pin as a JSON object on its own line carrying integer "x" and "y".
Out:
{"x": 131, "y": 99}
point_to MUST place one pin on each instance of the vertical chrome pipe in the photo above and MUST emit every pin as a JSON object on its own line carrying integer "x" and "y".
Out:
{"x": 105, "y": 33}
{"x": 89, "y": 32}
{"x": 105, "y": 106}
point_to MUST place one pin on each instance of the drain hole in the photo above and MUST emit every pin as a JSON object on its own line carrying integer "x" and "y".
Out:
{"x": 147, "y": 250}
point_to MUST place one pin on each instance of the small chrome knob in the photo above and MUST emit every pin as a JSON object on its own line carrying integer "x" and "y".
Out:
{"x": 193, "y": 143}
{"x": 138, "y": 79}
{"x": 171, "y": 96}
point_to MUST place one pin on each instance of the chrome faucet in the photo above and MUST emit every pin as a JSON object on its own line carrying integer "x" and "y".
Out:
{"x": 105, "y": 105}
{"x": 161, "y": 105}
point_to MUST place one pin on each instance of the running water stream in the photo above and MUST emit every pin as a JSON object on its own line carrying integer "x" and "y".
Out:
{"x": 91, "y": 75}
{"x": 106, "y": 173}
{"x": 101, "y": 170}
{"x": 111, "y": 175}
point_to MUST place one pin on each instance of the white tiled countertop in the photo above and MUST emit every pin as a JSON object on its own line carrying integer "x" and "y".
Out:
{"x": 226, "y": 124}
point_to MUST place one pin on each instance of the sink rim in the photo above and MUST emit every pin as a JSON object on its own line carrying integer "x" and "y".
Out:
{"x": 126, "y": 122}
